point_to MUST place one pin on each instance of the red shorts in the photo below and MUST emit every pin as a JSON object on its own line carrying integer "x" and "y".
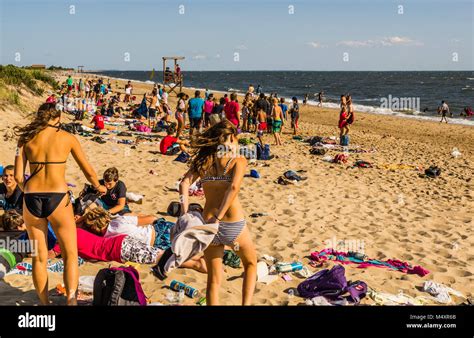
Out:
{"x": 262, "y": 126}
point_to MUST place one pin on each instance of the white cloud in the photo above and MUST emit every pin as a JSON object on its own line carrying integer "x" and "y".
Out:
{"x": 314, "y": 44}
{"x": 385, "y": 42}
{"x": 199, "y": 57}
{"x": 241, "y": 47}
{"x": 218, "y": 56}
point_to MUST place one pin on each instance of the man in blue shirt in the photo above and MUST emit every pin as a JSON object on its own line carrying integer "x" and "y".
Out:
{"x": 195, "y": 110}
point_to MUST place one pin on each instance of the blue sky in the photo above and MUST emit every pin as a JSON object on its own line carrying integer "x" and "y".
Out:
{"x": 429, "y": 35}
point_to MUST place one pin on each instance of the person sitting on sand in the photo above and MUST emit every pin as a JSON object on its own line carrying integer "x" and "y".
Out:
{"x": 98, "y": 120}
{"x": 46, "y": 147}
{"x": 115, "y": 199}
{"x": 295, "y": 114}
{"x": 171, "y": 145}
{"x": 221, "y": 174}
{"x": 277, "y": 116}
{"x": 11, "y": 196}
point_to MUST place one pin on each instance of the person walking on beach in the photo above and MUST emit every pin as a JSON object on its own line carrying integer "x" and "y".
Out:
{"x": 195, "y": 111}
{"x": 444, "y": 111}
{"x": 70, "y": 83}
{"x": 208, "y": 107}
{"x": 320, "y": 98}
{"x": 221, "y": 174}
{"x": 46, "y": 147}
{"x": 277, "y": 116}
{"x": 284, "y": 108}
{"x": 305, "y": 99}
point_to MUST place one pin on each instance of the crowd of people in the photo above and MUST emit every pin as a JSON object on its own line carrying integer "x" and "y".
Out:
{"x": 105, "y": 228}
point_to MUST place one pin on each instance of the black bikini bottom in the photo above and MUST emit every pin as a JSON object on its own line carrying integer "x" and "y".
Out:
{"x": 42, "y": 204}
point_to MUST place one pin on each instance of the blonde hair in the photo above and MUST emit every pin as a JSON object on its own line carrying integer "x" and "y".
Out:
{"x": 97, "y": 220}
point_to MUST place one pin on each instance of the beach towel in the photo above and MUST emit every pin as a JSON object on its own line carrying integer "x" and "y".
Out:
{"x": 363, "y": 262}
{"x": 163, "y": 233}
{"x": 25, "y": 268}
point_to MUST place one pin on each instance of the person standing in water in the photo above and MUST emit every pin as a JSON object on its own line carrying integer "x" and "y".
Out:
{"x": 222, "y": 172}
{"x": 46, "y": 148}
{"x": 320, "y": 98}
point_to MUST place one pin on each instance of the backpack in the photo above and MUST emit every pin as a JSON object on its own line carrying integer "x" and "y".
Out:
{"x": 332, "y": 284}
{"x": 118, "y": 286}
{"x": 263, "y": 153}
{"x": 345, "y": 140}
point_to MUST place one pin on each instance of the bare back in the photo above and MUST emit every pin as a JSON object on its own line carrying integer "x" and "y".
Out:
{"x": 53, "y": 147}
{"x": 215, "y": 191}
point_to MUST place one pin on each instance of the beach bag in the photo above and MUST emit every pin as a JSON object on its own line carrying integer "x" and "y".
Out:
{"x": 345, "y": 140}
{"x": 433, "y": 172}
{"x": 328, "y": 283}
{"x": 118, "y": 286}
{"x": 263, "y": 153}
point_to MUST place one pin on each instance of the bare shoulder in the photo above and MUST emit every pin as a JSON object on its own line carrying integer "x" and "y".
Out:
{"x": 241, "y": 161}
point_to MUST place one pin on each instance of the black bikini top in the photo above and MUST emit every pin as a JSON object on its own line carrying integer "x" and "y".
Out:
{"x": 43, "y": 164}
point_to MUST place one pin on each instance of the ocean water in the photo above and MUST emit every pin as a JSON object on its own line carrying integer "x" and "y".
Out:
{"x": 409, "y": 94}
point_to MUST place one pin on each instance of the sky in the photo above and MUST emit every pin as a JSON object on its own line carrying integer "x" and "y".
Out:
{"x": 317, "y": 35}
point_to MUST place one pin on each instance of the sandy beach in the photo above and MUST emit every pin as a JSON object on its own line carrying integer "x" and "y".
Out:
{"x": 392, "y": 213}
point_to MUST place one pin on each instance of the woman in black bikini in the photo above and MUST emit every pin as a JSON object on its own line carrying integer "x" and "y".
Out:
{"x": 46, "y": 147}
{"x": 221, "y": 174}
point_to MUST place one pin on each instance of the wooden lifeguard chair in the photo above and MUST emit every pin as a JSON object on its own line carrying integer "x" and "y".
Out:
{"x": 170, "y": 79}
{"x": 80, "y": 69}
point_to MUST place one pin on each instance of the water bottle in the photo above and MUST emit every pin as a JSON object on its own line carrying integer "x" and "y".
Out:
{"x": 289, "y": 267}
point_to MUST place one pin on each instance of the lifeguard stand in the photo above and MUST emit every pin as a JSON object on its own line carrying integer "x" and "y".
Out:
{"x": 170, "y": 79}
{"x": 80, "y": 69}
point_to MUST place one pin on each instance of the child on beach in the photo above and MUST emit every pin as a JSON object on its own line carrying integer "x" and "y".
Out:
{"x": 11, "y": 196}
{"x": 171, "y": 145}
{"x": 262, "y": 124}
{"x": 98, "y": 121}
{"x": 221, "y": 178}
{"x": 277, "y": 116}
{"x": 284, "y": 108}
{"x": 115, "y": 199}
{"x": 295, "y": 114}
{"x": 180, "y": 110}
